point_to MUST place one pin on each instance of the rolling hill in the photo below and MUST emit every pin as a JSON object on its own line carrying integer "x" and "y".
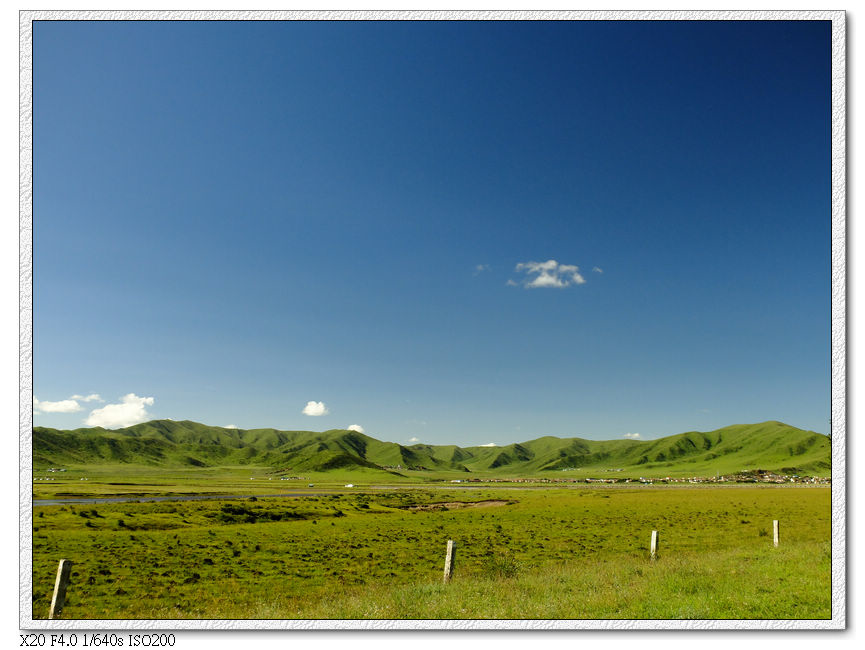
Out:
{"x": 168, "y": 443}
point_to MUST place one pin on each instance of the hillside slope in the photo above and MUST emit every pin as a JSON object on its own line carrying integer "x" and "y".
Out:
{"x": 768, "y": 445}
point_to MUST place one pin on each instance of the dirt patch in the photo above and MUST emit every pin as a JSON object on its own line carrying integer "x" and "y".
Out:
{"x": 456, "y": 505}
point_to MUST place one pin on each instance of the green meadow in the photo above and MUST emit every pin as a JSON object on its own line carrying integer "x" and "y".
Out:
{"x": 376, "y": 550}
{"x": 565, "y": 553}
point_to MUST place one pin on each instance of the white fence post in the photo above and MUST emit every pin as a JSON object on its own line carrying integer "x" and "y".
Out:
{"x": 64, "y": 570}
{"x": 449, "y": 561}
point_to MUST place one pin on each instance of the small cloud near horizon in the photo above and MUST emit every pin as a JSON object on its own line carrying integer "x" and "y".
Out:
{"x": 94, "y": 397}
{"x": 632, "y": 436}
{"x": 230, "y": 426}
{"x": 315, "y": 409}
{"x": 354, "y": 427}
{"x": 61, "y": 406}
{"x": 489, "y": 444}
{"x": 130, "y": 410}
{"x": 414, "y": 439}
{"x": 549, "y": 274}
{"x": 70, "y": 405}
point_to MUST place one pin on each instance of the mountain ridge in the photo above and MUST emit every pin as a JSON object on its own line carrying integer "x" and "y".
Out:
{"x": 768, "y": 445}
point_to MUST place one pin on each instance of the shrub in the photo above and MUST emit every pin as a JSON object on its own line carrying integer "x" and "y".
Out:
{"x": 501, "y": 565}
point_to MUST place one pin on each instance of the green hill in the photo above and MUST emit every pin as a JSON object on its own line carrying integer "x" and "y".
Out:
{"x": 768, "y": 446}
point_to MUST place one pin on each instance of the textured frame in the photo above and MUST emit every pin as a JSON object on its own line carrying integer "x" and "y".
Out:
{"x": 838, "y": 332}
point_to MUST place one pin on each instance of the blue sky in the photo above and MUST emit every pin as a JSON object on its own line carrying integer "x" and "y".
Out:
{"x": 235, "y": 219}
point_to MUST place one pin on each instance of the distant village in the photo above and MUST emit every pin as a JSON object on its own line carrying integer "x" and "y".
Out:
{"x": 744, "y": 476}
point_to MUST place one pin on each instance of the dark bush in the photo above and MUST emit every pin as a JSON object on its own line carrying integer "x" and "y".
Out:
{"x": 501, "y": 565}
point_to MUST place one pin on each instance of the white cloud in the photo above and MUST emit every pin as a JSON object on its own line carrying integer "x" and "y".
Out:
{"x": 315, "y": 409}
{"x": 89, "y": 398}
{"x": 414, "y": 439}
{"x": 480, "y": 268}
{"x": 489, "y": 444}
{"x": 355, "y": 427}
{"x": 632, "y": 436}
{"x": 549, "y": 274}
{"x": 129, "y": 411}
{"x": 597, "y": 269}
{"x": 63, "y": 406}
{"x": 230, "y": 426}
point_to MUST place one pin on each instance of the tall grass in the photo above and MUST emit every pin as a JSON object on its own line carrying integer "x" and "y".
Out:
{"x": 541, "y": 554}
{"x": 784, "y": 583}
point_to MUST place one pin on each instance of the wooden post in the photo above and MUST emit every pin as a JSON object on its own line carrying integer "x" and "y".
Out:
{"x": 654, "y": 547}
{"x": 64, "y": 570}
{"x": 776, "y": 530}
{"x": 449, "y": 561}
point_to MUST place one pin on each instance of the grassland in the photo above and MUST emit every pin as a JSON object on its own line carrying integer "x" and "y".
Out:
{"x": 143, "y": 481}
{"x": 376, "y": 550}
{"x": 522, "y": 553}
